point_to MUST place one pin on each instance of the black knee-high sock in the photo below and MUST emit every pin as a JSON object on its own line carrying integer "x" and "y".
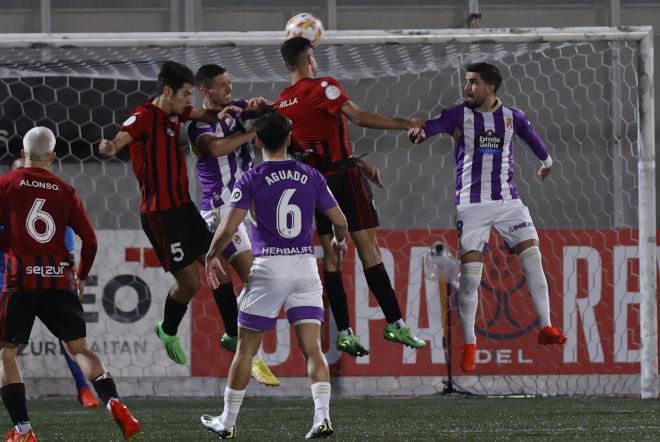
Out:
{"x": 225, "y": 299}
{"x": 174, "y": 313}
{"x": 105, "y": 387}
{"x": 334, "y": 287}
{"x": 13, "y": 396}
{"x": 379, "y": 283}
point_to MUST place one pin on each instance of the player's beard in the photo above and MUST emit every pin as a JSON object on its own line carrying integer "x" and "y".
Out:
{"x": 473, "y": 103}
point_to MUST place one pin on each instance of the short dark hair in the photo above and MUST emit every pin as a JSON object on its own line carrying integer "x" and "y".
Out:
{"x": 206, "y": 74}
{"x": 292, "y": 49}
{"x": 488, "y": 73}
{"x": 272, "y": 129}
{"x": 174, "y": 75}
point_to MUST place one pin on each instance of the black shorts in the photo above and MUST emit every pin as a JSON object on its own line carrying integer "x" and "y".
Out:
{"x": 353, "y": 194}
{"x": 59, "y": 310}
{"x": 179, "y": 236}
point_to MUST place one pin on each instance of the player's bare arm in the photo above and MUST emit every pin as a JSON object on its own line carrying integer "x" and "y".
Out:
{"x": 112, "y": 147}
{"x": 221, "y": 240}
{"x": 370, "y": 171}
{"x": 375, "y": 120}
{"x": 340, "y": 227}
{"x": 216, "y": 146}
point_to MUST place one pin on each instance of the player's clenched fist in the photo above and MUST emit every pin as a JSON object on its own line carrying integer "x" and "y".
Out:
{"x": 107, "y": 147}
{"x": 417, "y": 135}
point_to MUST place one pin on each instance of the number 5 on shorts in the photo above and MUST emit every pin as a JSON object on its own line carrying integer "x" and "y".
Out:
{"x": 177, "y": 252}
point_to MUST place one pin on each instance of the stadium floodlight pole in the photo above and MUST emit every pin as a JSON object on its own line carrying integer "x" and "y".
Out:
{"x": 647, "y": 223}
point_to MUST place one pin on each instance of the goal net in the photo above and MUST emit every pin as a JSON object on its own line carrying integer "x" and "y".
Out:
{"x": 587, "y": 91}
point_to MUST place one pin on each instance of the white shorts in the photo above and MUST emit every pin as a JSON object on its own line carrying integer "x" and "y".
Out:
{"x": 510, "y": 217}
{"x": 291, "y": 282}
{"x": 239, "y": 243}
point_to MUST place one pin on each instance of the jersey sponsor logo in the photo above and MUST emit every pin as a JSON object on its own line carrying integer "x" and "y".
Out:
{"x": 285, "y": 175}
{"x": 332, "y": 92}
{"x": 130, "y": 120}
{"x": 274, "y": 251}
{"x": 52, "y": 271}
{"x": 523, "y": 225}
{"x": 489, "y": 142}
{"x": 287, "y": 103}
{"x": 236, "y": 196}
{"x": 39, "y": 185}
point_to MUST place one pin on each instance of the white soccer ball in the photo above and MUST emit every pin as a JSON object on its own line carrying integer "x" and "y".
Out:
{"x": 304, "y": 25}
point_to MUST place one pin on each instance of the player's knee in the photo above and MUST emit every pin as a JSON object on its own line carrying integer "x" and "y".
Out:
{"x": 8, "y": 351}
{"x": 77, "y": 346}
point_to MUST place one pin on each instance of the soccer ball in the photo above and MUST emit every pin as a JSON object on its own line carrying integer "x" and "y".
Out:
{"x": 304, "y": 25}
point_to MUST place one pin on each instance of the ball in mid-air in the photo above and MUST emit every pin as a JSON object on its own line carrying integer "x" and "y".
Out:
{"x": 304, "y": 25}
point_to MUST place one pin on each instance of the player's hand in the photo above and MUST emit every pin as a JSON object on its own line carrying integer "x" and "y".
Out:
{"x": 371, "y": 172}
{"x": 417, "y": 135}
{"x": 212, "y": 268}
{"x": 416, "y": 123}
{"x": 81, "y": 287}
{"x": 229, "y": 110}
{"x": 107, "y": 147}
{"x": 340, "y": 249}
{"x": 256, "y": 103}
{"x": 544, "y": 172}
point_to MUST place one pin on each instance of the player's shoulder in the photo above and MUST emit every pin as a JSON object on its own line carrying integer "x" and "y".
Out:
{"x": 517, "y": 112}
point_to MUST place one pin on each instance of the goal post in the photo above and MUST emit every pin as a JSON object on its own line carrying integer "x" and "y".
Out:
{"x": 598, "y": 234}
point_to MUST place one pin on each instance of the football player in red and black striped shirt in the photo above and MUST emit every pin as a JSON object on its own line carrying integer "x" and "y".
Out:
{"x": 176, "y": 230}
{"x": 319, "y": 109}
{"x": 35, "y": 208}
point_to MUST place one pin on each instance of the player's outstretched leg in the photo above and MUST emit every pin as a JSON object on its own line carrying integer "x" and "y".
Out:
{"x": 224, "y": 425}
{"x": 13, "y": 396}
{"x": 85, "y": 394}
{"x": 176, "y": 305}
{"x": 531, "y": 262}
{"x": 105, "y": 387}
{"x": 379, "y": 283}
{"x": 309, "y": 340}
{"x": 333, "y": 283}
{"x": 467, "y": 305}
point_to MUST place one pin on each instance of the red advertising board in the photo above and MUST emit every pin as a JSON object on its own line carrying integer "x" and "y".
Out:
{"x": 593, "y": 280}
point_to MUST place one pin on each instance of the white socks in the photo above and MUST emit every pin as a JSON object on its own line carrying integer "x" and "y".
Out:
{"x": 530, "y": 259}
{"x": 467, "y": 298}
{"x": 321, "y": 396}
{"x": 233, "y": 401}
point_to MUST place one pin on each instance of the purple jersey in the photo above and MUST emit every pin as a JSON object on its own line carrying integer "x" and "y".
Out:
{"x": 483, "y": 148}
{"x": 217, "y": 175}
{"x": 282, "y": 197}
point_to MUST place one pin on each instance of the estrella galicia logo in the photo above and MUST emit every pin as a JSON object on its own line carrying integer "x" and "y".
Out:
{"x": 489, "y": 143}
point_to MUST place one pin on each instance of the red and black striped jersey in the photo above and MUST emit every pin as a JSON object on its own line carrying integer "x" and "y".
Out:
{"x": 158, "y": 162}
{"x": 35, "y": 208}
{"x": 319, "y": 126}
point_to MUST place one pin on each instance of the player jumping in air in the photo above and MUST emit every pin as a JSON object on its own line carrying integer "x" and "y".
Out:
{"x": 486, "y": 195}
{"x": 35, "y": 208}
{"x": 176, "y": 230}
{"x": 319, "y": 108}
{"x": 223, "y": 153}
{"x": 282, "y": 196}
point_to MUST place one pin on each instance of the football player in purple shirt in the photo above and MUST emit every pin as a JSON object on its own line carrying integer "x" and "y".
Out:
{"x": 223, "y": 152}
{"x": 281, "y": 195}
{"x": 486, "y": 196}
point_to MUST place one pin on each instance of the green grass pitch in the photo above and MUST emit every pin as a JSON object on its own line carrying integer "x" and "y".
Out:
{"x": 433, "y": 418}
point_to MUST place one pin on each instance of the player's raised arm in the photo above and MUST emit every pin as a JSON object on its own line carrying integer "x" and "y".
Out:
{"x": 221, "y": 240}
{"x": 110, "y": 148}
{"x": 375, "y": 120}
{"x": 209, "y": 144}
